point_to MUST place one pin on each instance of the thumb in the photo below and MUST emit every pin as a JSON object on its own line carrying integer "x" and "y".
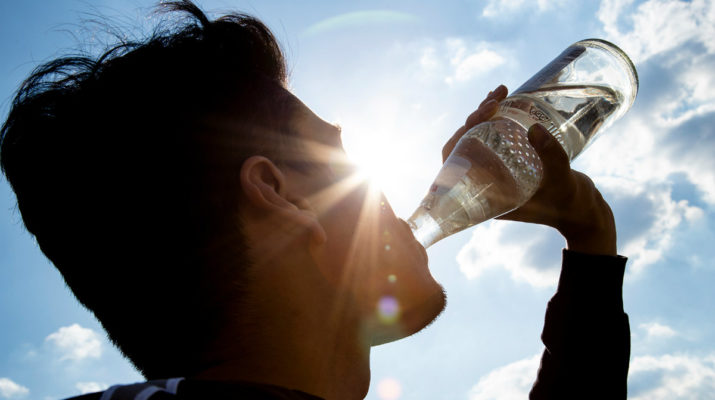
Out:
{"x": 554, "y": 159}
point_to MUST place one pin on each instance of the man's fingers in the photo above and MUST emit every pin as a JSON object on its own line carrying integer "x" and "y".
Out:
{"x": 483, "y": 113}
{"x": 557, "y": 175}
{"x": 497, "y": 94}
{"x": 554, "y": 159}
{"x": 487, "y": 108}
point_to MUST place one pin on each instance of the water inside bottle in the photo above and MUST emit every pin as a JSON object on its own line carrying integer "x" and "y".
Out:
{"x": 473, "y": 185}
{"x": 573, "y": 114}
{"x": 494, "y": 169}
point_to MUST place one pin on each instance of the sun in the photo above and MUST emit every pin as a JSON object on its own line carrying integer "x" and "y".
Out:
{"x": 389, "y": 150}
{"x": 378, "y": 157}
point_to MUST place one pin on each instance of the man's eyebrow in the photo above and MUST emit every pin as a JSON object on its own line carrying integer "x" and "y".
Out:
{"x": 328, "y": 133}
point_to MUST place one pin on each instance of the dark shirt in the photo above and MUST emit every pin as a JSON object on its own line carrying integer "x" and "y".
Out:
{"x": 202, "y": 390}
{"x": 586, "y": 334}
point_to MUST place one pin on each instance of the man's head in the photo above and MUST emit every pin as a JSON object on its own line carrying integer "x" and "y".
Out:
{"x": 161, "y": 176}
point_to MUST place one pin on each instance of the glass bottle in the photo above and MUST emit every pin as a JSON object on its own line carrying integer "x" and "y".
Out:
{"x": 493, "y": 169}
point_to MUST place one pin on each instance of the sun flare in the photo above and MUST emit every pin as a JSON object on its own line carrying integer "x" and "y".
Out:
{"x": 378, "y": 158}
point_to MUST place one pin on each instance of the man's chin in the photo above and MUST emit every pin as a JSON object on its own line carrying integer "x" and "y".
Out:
{"x": 410, "y": 321}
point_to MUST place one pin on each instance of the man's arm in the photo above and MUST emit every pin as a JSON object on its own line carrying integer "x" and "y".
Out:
{"x": 586, "y": 332}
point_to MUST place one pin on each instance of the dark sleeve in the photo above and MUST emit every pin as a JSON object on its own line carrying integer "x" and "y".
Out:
{"x": 586, "y": 332}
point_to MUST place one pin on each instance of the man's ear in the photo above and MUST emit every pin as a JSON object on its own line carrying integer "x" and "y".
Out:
{"x": 265, "y": 188}
{"x": 264, "y": 184}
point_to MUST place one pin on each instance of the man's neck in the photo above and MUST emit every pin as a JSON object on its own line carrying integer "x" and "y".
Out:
{"x": 299, "y": 340}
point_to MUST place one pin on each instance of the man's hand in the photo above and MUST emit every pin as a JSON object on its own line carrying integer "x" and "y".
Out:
{"x": 484, "y": 112}
{"x": 566, "y": 200}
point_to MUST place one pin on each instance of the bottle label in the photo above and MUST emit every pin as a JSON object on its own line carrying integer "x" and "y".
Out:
{"x": 514, "y": 109}
{"x": 552, "y": 70}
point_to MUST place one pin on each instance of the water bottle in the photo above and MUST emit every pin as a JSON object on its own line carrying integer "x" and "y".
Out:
{"x": 493, "y": 169}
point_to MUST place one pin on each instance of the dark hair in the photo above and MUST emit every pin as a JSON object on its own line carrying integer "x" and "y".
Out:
{"x": 125, "y": 169}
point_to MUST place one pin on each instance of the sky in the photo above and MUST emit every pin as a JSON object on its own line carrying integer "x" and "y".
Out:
{"x": 399, "y": 77}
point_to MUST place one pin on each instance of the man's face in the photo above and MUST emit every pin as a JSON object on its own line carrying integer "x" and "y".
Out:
{"x": 370, "y": 255}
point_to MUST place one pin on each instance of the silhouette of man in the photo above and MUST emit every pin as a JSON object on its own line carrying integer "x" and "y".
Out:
{"x": 210, "y": 221}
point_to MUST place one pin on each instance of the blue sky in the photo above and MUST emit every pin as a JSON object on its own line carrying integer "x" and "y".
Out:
{"x": 400, "y": 76}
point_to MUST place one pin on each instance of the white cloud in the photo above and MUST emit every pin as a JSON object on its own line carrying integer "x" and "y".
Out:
{"x": 659, "y": 25}
{"x": 474, "y": 65}
{"x": 457, "y": 60}
{"x": 661, "y": 138}
{"x": 633, "y": 165}
{"x": 695, "y": 92}
{"x": 636, "y": 160}
{"x": 504, "y": 8}
{"x": 609, "y": 13}
{"x": 12, "y": 390}
{"x": 629, "y": 151}
{"x": 647, "y": 214}
{"x": 90, "y": 387}
{"x": 682, "y": 35}
{"x": 510, "y": 382}
{"x": 664, "y": 377}
{"x": 75, "y": 343}
{"x": 671, "y": 377}
{"x": 497, "y": 8}
{"x": 639, "y": 148}
{"x": 492, "y": 246}
{"x": 656, "y": 330}
{"x": 650, "y": 247}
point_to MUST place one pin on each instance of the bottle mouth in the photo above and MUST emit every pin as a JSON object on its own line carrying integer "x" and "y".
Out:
{"x": 622, "y": 58}
{"x": 425, "y": 229}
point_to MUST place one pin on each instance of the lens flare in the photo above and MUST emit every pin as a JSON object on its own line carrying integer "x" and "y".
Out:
{"x": 388, "y": 309}
{"x": 389, "y": 389}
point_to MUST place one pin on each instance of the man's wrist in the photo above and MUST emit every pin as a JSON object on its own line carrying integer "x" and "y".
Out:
{"x": 595, "y": 234}
{"x": 601, "y": 243}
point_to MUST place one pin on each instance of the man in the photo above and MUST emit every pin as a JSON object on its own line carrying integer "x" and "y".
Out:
{"x": 210, "y": 221}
